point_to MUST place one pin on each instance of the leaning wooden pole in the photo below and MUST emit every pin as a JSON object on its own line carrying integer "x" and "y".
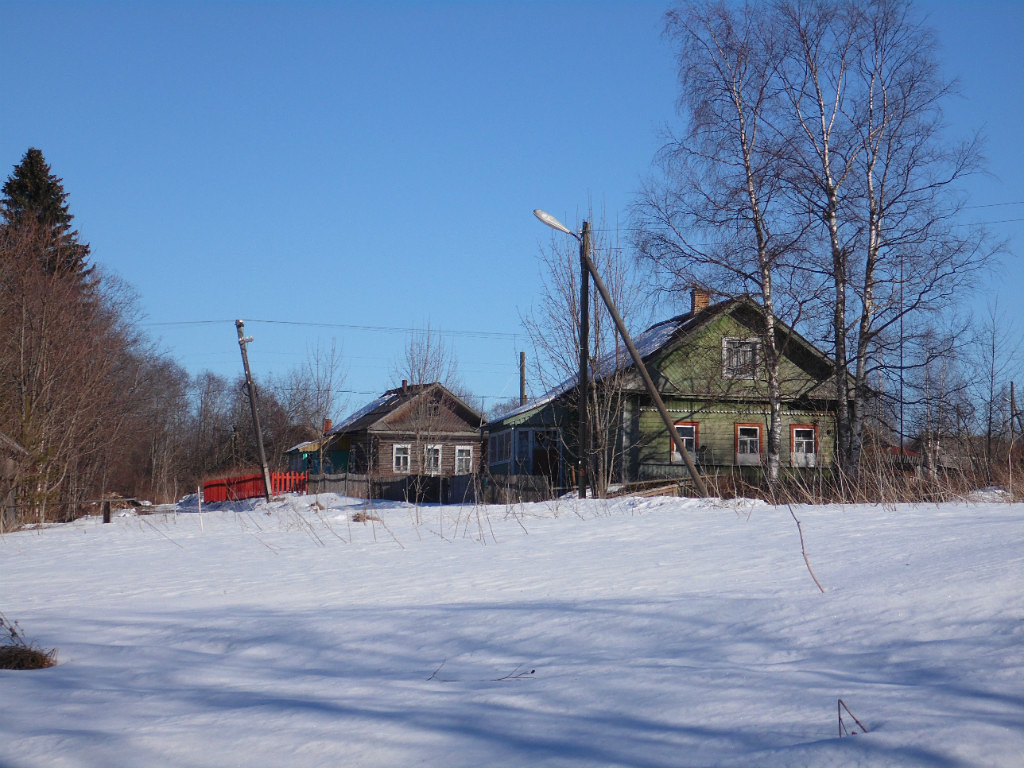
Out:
{"x": 698, "y": 481}
{"x": 268, "y": 490}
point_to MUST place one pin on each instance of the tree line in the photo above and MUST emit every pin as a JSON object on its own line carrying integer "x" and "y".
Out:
{"x": 88, "y": 405}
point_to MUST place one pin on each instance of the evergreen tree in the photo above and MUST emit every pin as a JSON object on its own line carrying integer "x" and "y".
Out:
{"x": 34, "y": 196}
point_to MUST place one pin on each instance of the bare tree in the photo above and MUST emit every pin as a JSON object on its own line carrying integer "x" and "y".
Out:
{"x": 68, "y": 372}
{"x": 552, "y": 326}
{"x": 719, "y": 217}
{"x": 824, "y": 123}
{"x": 996, "y": 358}
{"x": 427, "y": 360}
{"x": 878, "y": 179}
{"x": 309, "y": 393}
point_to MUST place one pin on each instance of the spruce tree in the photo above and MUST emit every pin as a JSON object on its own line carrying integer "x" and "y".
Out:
{"x": 34, "y": 196}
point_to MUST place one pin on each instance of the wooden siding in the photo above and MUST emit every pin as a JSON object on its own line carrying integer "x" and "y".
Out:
{"x": 717, "y": 434}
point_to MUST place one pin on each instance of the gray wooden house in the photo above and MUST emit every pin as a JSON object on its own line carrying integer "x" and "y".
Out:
{"x": 409, "y": 434}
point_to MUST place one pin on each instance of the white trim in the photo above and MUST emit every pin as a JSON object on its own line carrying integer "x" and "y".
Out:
{"x": 428, "y": 464}
{"x": 469, "y": 469}
{"x": 803, "y": 458}
{"x": 394, "y": 458}
{"x": 694, "y": 427}
{"x": 748, "y": 458}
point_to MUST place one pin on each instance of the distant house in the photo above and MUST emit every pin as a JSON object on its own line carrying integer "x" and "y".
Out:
{"x": 410, "y": 441}
{"x": 707, "y": 368}
{"x": 317, "y": 456}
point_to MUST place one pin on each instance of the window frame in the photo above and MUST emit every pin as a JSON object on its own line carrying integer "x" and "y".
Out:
{"x": 747, "y": 372}
{"x": 803, "y": 462}
{"x": 458, "y": 458}
{"x": 499, "y": 447}
{"x": 408, "y": 458}
{"x": 736, "y": 442}
{"x": 428, "y": 463}
{"x": 673, "y": 455}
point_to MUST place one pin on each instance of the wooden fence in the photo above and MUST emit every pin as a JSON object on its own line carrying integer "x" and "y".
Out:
{"x": 251, "y": 486}
{"x": 342, "y": 483}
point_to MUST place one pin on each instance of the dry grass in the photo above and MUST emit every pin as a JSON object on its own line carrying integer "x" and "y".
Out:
{"x": 18, "y": 653}
{"x": 26, "y": 657}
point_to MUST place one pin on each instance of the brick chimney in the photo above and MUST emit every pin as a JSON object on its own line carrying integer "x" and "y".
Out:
{"x": 327, "y": 425}
{"x": 700, "y": 298}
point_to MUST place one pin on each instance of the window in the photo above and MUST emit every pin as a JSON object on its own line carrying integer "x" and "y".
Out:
{"x": 748, "y": 444}
{"x": 463, "y": 459}
{"x": 523, "y": 445}
{"x": 803, "y": 445}
{"x": 500, "y": 448}
{"x": 432, "y": 459}
{"x": 689, "y": 432}
{"x": 739, "y": 358}
{"x": 400, "y": 458}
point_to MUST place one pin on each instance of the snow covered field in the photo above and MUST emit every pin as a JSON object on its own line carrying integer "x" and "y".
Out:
{"x": 655, "y": 632}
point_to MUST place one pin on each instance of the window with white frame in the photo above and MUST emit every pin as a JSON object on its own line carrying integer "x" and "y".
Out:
{"x": 739, "y": 358}
{"x": 688, "y": 432}
{"x": 400, "y": 458}
{"x": 803, "y": 445}
{"x": 748, "y": 443}
{"x": 463, "y": 459}
{"x": 432, "y": 459}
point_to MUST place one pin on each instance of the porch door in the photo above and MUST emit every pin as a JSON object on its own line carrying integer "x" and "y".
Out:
{"x": 545, "y": 454}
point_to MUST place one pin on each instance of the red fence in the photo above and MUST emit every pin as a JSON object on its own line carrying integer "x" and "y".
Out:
{"x": 251, "y": 486}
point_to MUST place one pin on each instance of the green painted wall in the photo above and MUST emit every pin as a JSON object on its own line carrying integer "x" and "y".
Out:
{"x": 716, "y": 432}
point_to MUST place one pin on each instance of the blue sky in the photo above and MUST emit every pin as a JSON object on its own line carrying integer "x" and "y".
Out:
{"x": 348, "y": 170}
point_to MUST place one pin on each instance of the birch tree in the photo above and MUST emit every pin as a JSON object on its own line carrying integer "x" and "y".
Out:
{"x": 718, "y": 217}
{"x": 857, "y": 186}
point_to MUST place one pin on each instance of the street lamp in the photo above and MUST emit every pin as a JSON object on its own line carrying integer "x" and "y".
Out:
{"x": 588, "y": 267}
{"x": 584, "y": 432}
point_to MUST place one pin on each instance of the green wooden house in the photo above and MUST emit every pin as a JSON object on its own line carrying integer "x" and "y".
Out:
{"x": 707, "y": 367}
{"x": 316, "y": 456}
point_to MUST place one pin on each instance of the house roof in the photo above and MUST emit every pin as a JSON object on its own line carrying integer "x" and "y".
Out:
{"x": 382, "y": 407}
{"x": 309, "y": 446}
{"x": 652, "y": 341}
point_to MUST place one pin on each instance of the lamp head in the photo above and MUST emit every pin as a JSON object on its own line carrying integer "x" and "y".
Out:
{"x": 552, "y": 222}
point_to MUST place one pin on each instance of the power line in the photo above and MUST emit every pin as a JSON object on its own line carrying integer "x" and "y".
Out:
{"x": 351, "y": 326}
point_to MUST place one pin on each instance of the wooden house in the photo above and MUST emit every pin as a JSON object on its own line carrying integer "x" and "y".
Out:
{"x": 409, "y": 433}
{"x": 317, "y": 455}
{"x": 707, "y": 367}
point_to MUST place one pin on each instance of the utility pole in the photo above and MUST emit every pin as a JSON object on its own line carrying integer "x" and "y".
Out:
{"x": 242, "y": 341}
{"x": 584, "y": 431}
{"x": 587, "y": 268}
{"x": 522, "y": 378}
{"x": 698, "y": 481}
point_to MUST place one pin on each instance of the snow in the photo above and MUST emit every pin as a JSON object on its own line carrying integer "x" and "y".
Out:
{"x": 635, "y": 632}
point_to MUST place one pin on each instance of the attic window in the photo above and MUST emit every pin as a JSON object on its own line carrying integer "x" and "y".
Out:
{"x": 739, "y": 358}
